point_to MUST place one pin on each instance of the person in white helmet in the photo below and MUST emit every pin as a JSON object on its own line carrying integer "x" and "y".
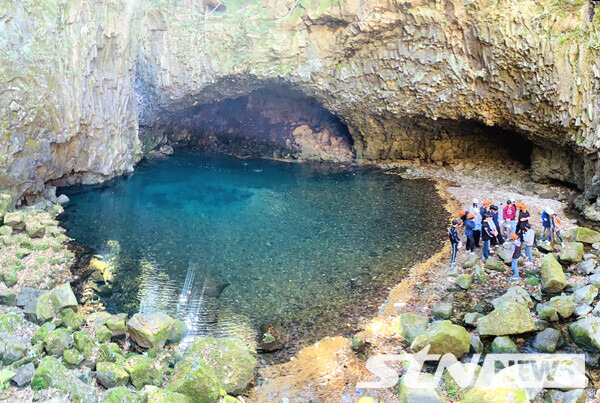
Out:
{"x": 474, "y": 206}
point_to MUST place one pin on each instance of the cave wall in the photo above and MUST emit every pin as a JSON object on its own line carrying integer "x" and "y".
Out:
{"x": 79, "y": 79}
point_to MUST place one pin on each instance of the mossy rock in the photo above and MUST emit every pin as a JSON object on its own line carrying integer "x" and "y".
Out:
{"x": 10, "y": 277}
{"x": 410, "y": 325}
{"x": 43, "y": 308}
{"x": 464, "y": 281}
{"x": 10, "y": 322}
{"x": 408, "y": 394}
{"x": 86, "y": 345}
{"x": 72, "y": 358}
{"x": 152, "y": 394}
{"x": 121, "y": 394}
{"x": 34, "y": 228}
{"x": 22, "y": 252}
{"x": 177, "y": 331}
{"x": 110, "y": 353}
{"x": 495, "y": 395}
{"x": 63, "y": 297}
{"x": 495, "y": 264}
{"x": 233, "y": 363}
{"x": 143, "y": 371}
{"x": 553, "y": 276}
{"x": 5, "y": 230}
{"x": 103, "y": 334}
{"x": 42, "y": 245}
{"x": 444, "y": 337}
{"x": 503, "y": 345}
{"x": 572, "y": 252}
{"x": 71, "y": 320}
{"x": 586, "y": 333}
{"x": 470, "y": 262}
{"x": 110, "y": 374}
{"x": 15, "y": 220}
{"x": 50, "y": 373}
{"x": 508, "y": 318}
{"x": 42, "y": 332}
{"x": 116, "y": 324}
{"x": 57, "y": 342}
{"x": 150, "y": 330}
{"x": 564, "y": 305}
{"x": 197, "y": 380}
{"x": 586, "y": 235}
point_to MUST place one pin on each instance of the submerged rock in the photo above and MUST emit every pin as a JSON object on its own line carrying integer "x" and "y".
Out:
{"x": 508, "y": 318}
{"x": 271, "y": 337}
{"x": 444, "y": 337}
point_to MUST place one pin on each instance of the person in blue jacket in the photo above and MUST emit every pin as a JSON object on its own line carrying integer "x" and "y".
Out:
{"x": 469, "y": 230}
{"x": 454, "y": 240}
{"x": 546, "y": 223}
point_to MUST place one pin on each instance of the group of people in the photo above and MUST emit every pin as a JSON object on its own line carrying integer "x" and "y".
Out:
{"x": 495, "y": 223}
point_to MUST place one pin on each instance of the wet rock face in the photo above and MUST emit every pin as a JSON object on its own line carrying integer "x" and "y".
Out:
{"x": 79, "y": 81}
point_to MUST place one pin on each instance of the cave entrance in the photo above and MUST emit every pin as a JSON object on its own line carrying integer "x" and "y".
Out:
{"x": 274, "y": 122}
{"x": 451, "y": 142}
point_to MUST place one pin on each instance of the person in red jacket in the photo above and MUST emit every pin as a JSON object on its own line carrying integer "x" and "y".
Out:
{"x": 510, "y": 213}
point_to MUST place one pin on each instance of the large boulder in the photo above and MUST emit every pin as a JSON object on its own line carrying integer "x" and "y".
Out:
{"x": 111, "y": 374}
{"x": 585, "y": 295}
{"x": 15, "y": 220}
{"x": 410, "y": 325}
{"x": 233, "y": 363}
{"x": 508, "y": 318}
{"x": 150, "y": 330}
{"x": 572, "y": 252}
{"x": 444, "y": 337}
{"x": 586, "y": 235}
{"x": 514, "y": 294}
{"x": 407, "y": 394}
{"x": 564, "y": 305}
{"x": 50, "y": 373}
{"x": 553, "y": 276}
{"x": 586, "y": 333}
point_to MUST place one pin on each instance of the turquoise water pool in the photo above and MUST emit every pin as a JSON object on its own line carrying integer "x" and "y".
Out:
{"x": 313, "y": 247}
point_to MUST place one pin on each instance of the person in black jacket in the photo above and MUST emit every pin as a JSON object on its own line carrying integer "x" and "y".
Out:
{"x": 499, "y": 239}
{"x": 488, "y": 232}
{"x": 454, "y": 239}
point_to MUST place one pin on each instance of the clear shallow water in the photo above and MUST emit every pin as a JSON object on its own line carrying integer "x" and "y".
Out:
{"x": 299, "y": 244}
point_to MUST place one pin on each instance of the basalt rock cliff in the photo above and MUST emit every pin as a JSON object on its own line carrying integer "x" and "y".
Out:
{"x": 87, "y": 88}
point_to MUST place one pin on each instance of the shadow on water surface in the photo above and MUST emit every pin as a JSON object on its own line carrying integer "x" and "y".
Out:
{"x": 228, "y": 244}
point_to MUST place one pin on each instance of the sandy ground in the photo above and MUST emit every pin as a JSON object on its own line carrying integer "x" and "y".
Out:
{"x": 329, "y": 370}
